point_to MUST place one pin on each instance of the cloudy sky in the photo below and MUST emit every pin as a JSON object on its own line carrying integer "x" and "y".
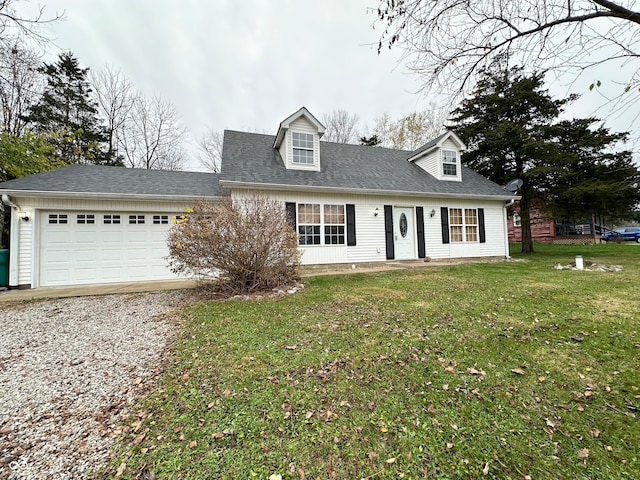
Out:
{"x": 248, "y": 64}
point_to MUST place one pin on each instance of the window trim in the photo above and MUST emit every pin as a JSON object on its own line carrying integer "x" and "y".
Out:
{"x": 298, "y": 136}
{"x": 517, "y": 220}
{"x": 341, "y": 228}
{"x": 462, "y": 229}
{"x": 445, "y": 162}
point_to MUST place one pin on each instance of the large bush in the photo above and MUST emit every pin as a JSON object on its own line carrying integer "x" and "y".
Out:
{"x": 248, "y": 244}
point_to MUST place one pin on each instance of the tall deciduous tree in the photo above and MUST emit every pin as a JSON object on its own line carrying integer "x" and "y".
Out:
{"x": 340, "y": 127}
{"x": 153, "y": 135}
{"x": 512, "y": 130}
{"x": 20, "y": 85}
{"x": 66, "y": 106}
{"x": 210, "y": 150}
{"x": 115, "y": 97}
{"x": 450, "y": 41}
{"x": 410, "y": 131}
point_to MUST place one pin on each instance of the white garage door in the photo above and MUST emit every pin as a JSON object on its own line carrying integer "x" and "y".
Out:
{"x": 102, "y": 247}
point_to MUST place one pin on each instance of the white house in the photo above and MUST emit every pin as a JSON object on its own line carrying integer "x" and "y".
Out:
{"x": 85, "y": 224}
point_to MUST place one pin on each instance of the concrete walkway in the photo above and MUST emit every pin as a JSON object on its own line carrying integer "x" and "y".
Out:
{"x": 159, "y": 285}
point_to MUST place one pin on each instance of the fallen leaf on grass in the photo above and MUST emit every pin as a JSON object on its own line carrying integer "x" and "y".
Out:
{"x": 121, "y": 469}
{"x": 290, "y": 347}
{"x": 139, "y": 438}
{"x": 595, "y": 433}
{"x": 485, "y": 470}
{"x": 391, "y": 460}
{"x": 583, "y": 453}
{"x": 193, "y": 444}
{"x": 518, "y": 371}
{"x": 450, "y": 369}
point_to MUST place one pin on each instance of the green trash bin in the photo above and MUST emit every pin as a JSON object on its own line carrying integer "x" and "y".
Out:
{"x": 4, "y": 268}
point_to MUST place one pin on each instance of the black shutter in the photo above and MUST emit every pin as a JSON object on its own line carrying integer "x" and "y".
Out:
{"x": 483, "y": 237}
{"x": 291, "y": 212}
{"x": 388, "y": 231}
{"x": 444, "y": 218}
{"x": 351, "y": 225}
{"x": 420, "y": 229}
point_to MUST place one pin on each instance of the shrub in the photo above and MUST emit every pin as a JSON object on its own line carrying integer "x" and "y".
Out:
{"x": 248, "y": 244}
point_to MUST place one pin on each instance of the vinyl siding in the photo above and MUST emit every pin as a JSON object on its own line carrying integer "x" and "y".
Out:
{"x": 370, "y": 229}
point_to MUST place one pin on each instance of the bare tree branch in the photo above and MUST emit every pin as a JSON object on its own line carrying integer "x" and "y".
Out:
{"x": 449, "y": 41}
{"x": 210, "y": 150}
{"x": 153, "y": 135}
{"x": 341, "y": 127}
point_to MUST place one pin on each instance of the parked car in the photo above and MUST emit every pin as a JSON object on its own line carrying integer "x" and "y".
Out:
{"x": 623, "y": 234}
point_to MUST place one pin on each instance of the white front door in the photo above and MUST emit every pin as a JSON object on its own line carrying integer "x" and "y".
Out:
{"x": 404, "y": 233}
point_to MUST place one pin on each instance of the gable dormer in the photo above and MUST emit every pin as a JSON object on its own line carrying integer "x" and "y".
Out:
{"x": 298, "y": 141}
{"x": 441, "y": 157}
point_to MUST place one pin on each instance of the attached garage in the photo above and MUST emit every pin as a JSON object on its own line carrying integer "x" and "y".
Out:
{"x": 81, "y": 224}
{"x": 98, "y": 247}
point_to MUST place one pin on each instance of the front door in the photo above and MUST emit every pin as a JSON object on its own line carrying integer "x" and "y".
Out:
{"x": 404, "y": 233}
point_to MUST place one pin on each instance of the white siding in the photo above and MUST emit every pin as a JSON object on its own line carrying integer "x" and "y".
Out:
{"x": 370, "y": 234}
{"x": 432, "y": 162}
{"x": 25, "y": 251}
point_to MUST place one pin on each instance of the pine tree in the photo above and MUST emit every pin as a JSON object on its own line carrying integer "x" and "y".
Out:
{"x": 512, "y": 130}
{"x": 67, "y": 111}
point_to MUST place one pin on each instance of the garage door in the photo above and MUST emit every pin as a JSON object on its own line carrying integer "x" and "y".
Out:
{"x": 102, "y": 247}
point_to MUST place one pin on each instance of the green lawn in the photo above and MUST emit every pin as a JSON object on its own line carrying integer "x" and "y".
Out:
{"x": 509, "y": 370}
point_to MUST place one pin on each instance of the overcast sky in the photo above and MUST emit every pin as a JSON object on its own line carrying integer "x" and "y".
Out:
{"x": 248, "y": 64}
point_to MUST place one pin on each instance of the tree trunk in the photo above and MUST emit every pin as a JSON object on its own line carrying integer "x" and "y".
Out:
{"x": 525, "y": 218}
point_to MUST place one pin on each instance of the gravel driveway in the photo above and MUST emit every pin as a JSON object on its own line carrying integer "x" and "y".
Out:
{"x": 68, "y": 367}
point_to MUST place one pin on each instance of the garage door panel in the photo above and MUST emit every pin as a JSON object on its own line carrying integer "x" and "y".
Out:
{"x": 112, "y": 237}
{"x": 86, "y": 237}
{"x": 87, "y": 255}
{"x": 101, "y": 252}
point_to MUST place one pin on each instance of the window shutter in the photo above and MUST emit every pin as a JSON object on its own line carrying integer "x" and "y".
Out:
{"x": 420, "y": 229}
{"x": 351, "y": 225}
{"x": 388, "y": 231}
{"x": 444, "y": 218}
{"x": 481, "y": 232}
{"x": 291, "y": 212}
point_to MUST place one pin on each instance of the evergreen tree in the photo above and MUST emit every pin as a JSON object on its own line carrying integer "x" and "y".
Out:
{"x": 67, "y": 110}
{"x": 511, "y": 129}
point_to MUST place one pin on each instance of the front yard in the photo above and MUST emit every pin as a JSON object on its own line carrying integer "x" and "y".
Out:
{"x": 503, "y": 370}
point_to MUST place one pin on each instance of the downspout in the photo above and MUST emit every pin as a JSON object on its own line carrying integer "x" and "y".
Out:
{"x": 13, "y": 240}
{"x": 506, "y": 226}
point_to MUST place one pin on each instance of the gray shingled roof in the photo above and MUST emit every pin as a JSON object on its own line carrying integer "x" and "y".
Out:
{"x": 91, "y": 179}
{"x": 250, "y": 158}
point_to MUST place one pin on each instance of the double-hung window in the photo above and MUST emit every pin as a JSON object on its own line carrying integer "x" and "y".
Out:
{"x": 311, "y": 223}
{"x": 449, "y": 163}
{"x": 308, "y": 224}
{"x": 302, "y": 148}
{"x": 463, "y": 225}
{"x": 334, "y": 224}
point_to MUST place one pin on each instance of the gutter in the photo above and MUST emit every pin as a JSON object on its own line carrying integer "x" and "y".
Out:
{"x": 306, "y": 188}
{"x": 6, "y": 199}
{"x": 108, "y": 196}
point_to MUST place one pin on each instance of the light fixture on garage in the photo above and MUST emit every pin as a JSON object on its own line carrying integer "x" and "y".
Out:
{"x": 376, "y": 212}
{"x": 433, "y": 212}
{"x": 24, "y": 217}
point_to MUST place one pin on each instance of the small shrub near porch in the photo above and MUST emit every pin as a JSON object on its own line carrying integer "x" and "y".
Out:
{"x": 248, "y": 244}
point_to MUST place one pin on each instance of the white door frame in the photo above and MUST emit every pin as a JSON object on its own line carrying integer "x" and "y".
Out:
{"x": 404, "y": 245}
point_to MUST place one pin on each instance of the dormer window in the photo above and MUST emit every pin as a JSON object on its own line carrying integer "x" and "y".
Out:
{"x": 450, "y": 163}
{"x": 302, "y": 148}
